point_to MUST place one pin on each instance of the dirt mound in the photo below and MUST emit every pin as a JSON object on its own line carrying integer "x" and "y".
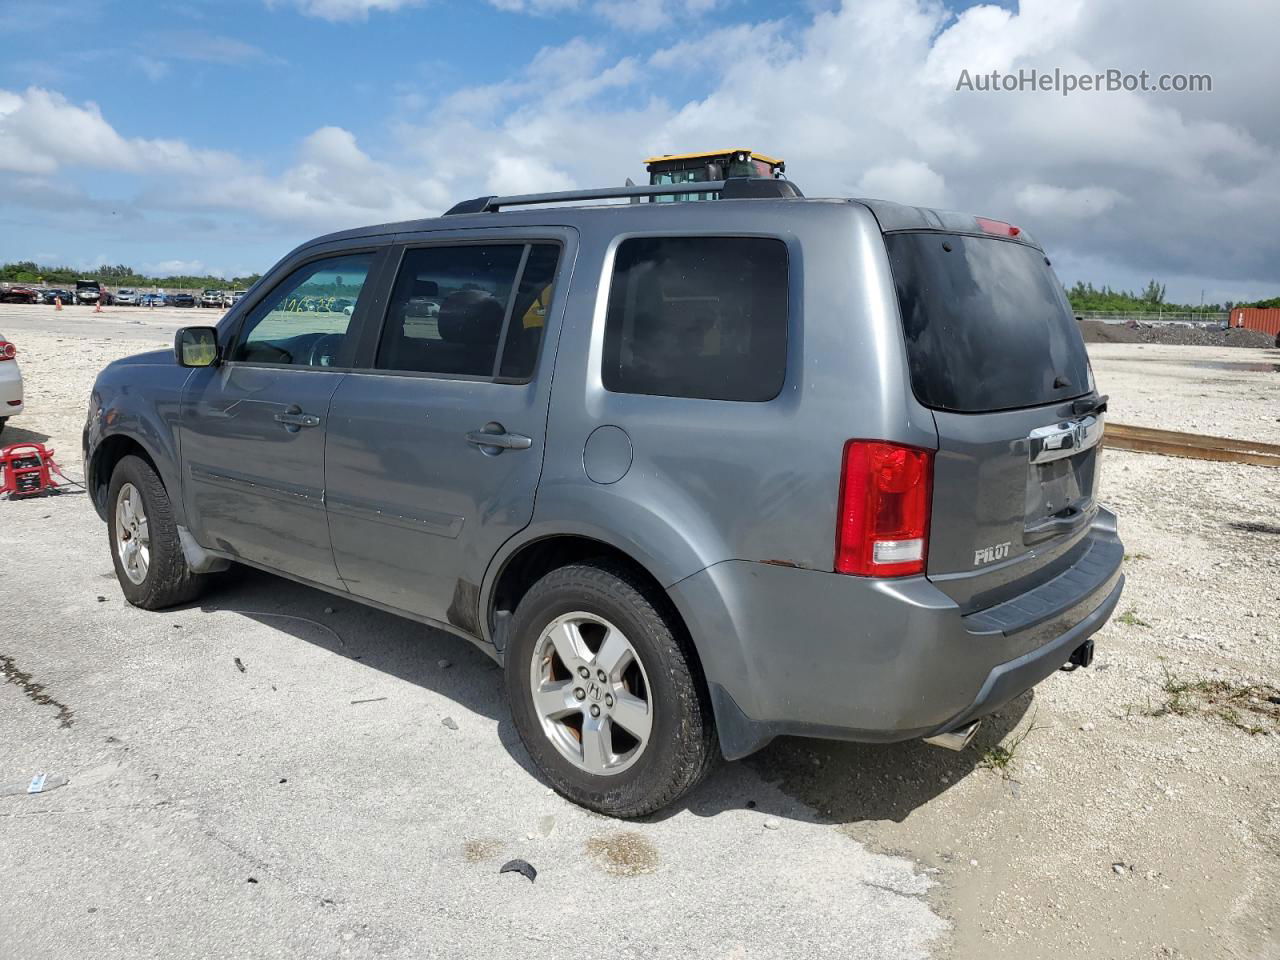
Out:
{"x": 1095, "y": 331}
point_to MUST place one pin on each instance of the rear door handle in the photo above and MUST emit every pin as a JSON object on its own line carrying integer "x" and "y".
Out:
{"x": 298, "y": 419}
{"x": 503, "y": 441}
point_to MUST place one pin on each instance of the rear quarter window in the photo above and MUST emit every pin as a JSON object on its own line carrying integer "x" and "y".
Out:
{"x": 986, "y": 323}
{"x": 698, "y": 317}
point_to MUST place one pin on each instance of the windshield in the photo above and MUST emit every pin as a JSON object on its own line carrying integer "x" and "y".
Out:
{"x": 986, "y": 323}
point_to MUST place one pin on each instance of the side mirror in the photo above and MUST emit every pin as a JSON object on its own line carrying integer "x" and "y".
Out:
{"x": 196, "y": 346}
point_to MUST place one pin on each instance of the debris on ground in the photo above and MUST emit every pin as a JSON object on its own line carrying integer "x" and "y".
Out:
{"x": 522, "y": 867}
{"x": 240, "y": 666}
{"x": 369, "y": 700}
{"x": 40, "y": 783}
{"x": 451, "y": 723}
{"x": 626, "y": 854}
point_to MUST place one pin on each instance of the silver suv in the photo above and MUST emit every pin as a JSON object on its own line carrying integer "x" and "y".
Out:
{"x": 697, "y": 474}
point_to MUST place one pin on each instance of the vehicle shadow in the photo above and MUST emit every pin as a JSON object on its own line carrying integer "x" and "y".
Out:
{"x": 393, "y": 645}
{"x": 834, "y": 782}
{"x": 794, "y": 778}
{"x": 14, "y": 434}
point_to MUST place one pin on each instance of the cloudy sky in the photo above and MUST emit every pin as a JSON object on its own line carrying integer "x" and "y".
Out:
{"x": 185, "y": 135}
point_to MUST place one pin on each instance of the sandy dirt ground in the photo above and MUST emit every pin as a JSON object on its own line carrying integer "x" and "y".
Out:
{"x": 1127, "y": 810}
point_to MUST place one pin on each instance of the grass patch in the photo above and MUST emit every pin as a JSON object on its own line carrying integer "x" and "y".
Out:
{"x": 1134, "y": 557}
{"x": 1000, "y": 756}
{"x": 1251, "y": 707}
{"x": 1130, "y": 618}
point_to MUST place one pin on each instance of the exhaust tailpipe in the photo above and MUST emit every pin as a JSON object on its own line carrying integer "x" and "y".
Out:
{"x": 956, "y": 739}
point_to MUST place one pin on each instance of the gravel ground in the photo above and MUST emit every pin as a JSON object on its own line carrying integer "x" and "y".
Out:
{"x": 1129, "y": 822}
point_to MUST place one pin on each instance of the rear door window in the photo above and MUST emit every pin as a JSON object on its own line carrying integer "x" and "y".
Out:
{"x": 986, "y": 322}
{"x": 453, "y": 307}
{"x": 702, "y": 317}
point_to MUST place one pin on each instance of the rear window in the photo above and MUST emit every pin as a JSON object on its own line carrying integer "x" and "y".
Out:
{"x": 986, "y": 322}
{"x": 701, "y": 317}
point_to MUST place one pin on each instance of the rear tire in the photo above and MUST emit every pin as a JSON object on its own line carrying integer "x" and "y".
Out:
{"x": 143, "y": 539}
{"x": 625, "y": 746}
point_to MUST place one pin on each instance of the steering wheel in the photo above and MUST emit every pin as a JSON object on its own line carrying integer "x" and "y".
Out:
{"x": 325, "y": 350}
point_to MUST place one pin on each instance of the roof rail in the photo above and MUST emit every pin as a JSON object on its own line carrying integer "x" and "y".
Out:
{"x": 735, "y": 188}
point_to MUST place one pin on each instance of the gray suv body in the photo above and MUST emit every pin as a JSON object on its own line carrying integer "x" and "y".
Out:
{"x": 697, "y": 473}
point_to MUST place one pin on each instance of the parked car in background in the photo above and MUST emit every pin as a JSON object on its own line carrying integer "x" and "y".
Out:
{"x": 234, "y": 297}
{"x": 126, "y": 297}
{"x": 211, "y": 298}
{"x": 10, "y": 382}
{"x": 92, "y": 292}
{"x": 697, "y": 475}
{"x": 50, "y": 296}
{"x": 151, "y": 300}
{"x": 18, "y": 293}
{"x": 182, "y": 300}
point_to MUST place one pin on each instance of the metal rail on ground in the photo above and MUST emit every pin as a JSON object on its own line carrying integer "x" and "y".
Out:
{"x": 1195, "y": 446}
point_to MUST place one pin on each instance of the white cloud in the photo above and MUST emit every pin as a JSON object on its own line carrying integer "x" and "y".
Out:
{"x": 1044, "y": 200}
{"x": 643, "y": 16}
{"x": 154, "y": 70}
{"x": 202, "y": 46}
{"x": 538, "y": 7}
{"x": 41, "y": 131}
{"x": 860, "y": 99}
{"x": 906, "y": 181}
{"x": 332, "y": 184}
{"x": 335, "y": 10}
{"x": 174, "y": 268}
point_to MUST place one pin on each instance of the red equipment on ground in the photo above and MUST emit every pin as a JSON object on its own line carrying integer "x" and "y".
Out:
{"x": 27, "y": 470}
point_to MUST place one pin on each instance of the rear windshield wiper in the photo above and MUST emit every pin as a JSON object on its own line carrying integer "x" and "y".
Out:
{"x": 1085, "y": 405}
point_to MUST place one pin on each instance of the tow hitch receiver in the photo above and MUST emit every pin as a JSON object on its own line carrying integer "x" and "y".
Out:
{"x": 1082, "y": 656}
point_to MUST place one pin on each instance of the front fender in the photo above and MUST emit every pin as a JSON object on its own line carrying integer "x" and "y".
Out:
{"x": 138, "y": 399}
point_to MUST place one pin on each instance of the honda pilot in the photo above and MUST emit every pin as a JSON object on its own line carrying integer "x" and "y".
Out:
{"x": 695, "y": 474}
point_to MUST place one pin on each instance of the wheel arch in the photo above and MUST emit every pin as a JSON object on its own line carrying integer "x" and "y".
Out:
{"x": 524, "y": 563}
{"x": 102, "y": 463}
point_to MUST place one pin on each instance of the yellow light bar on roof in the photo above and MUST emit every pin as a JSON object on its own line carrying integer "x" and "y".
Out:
{"x": 714, "y": 153}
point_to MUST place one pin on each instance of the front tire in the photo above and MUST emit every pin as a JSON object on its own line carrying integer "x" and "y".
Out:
{"x": 143, "y": 537}
{"x": 606, "y": 693}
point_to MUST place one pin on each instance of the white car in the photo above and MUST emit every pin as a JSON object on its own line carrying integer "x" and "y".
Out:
{"x": 10, "y": 382}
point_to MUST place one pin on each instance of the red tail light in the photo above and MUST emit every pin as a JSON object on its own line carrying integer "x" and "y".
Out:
{"x": 7, "y": 350}
{"x": 998, "y": 227}
{"x": 883, "y": 525}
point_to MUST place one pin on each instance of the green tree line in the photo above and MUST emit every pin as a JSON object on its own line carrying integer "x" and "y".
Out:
{"x": 1085, "y": 296}
{"x": 120, "y": 275}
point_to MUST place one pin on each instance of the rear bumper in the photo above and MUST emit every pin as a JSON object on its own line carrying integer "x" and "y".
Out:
{"x": 803, "y": 652}
{"x": 10, "y": 389}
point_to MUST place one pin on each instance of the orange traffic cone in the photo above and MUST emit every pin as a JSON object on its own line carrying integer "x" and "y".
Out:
{"x": 57, "y": 303}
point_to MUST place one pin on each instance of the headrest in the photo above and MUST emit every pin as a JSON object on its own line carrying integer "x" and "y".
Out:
{"x": 471, "y": 316}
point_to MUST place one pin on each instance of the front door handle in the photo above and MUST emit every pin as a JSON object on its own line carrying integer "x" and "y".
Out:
{"x": 499, "y": 439}
{"x": 296, "y": 420}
